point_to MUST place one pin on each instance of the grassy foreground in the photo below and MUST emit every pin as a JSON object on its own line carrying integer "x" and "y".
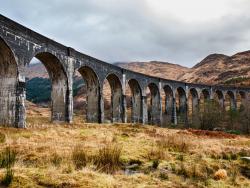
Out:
{"x": 123, "y": 155}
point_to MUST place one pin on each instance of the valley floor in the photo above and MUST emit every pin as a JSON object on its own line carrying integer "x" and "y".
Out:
{"x": 123, "y": 155}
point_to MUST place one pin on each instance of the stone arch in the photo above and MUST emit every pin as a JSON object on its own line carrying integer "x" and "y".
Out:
{"x": 8, "y": 85}
{"x": 204, "y": 99}
{"x": 135, "y": 102}
{"x": 241, "y": 99}
{"x": 219, "y": 98}
{"x": 117, "y": 110}
{"x": 168, "y": 104}
{"x": 230, "y": 101}
{"x": 59, "y": 86}
{"x": 154, "y": 105}
{"x": 181, "y": 105}
{"x": 93, "y": 109}
{"x": 193, "y": 106}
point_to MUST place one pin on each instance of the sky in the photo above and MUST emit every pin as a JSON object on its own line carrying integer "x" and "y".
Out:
{"x": 176, "y": 31}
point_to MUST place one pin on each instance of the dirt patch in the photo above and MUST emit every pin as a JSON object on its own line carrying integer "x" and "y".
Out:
{"x": 213, "y": 134}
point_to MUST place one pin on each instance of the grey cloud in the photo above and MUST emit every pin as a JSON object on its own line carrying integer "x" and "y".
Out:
{"x": 126, "y": 30}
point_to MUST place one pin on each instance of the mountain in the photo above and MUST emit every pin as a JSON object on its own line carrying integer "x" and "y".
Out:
{"x": 221, "y": 69}
{"x": 157, "y": 68}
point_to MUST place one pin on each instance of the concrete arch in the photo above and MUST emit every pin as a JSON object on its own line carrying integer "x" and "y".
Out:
{"x": 154, "y": 105}
{"x": 169, "y": 98}
{"x": 94, "y": 113}
{"x": 136, "y": 104}
{"x": 206, "y": 94}
{"x": 241, "y": 100}
{"x": 59, "y": 83}
{"x": 168, "y": 104}
{"x": 181, "y": 105}
{"x": 193, "y": 105}
{"x": 219, "y": 97}
{"x": 230, "y": 100}
{"x": 8, "y": 85}
{"x": 117, "y": 110}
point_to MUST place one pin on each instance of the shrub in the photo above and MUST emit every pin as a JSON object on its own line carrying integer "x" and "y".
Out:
{"x": 2, "y": 138}
{"x": 175, "y": 143}
{"x": 79, "y": 157}
{"x": 8, "y": 159}
{"x": 155, "y": 164}
{"x": 108, "y": 158}
{"x": 211, "y": 117}
{"x": 156, "y": 153}
{"x": 56, "y": 159}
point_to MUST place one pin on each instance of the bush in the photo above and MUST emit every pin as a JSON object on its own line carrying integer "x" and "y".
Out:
{"x": 108, "y": 158}
{"x": 79, "y": 157}
{"x": 2, "y": 138}
{"x": 56, "y": 159}
{"x": 176, "y": 143}
{"x": 211, "y": 117}
{"x": 8, "y": 159}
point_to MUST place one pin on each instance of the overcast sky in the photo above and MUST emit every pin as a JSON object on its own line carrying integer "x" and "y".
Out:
{"x": 176, "y": 31}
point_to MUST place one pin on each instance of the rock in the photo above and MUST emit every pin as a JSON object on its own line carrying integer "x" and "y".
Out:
{"x": 133, "y": 166}
{"x": 247, "y": 159}
{"x": 221, "y": 174}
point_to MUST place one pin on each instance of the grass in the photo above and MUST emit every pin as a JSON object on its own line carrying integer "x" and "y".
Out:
{"x": 122, "y": 155}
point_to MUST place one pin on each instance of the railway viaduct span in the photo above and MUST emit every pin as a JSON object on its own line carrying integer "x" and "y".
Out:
{"x": 18, "y": 45}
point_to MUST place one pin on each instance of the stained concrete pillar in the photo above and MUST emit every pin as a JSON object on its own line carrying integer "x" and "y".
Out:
{"x": 100, "y": 112}
{"x": 233, "y": 103}
{"x": 124, "y": 113}
{"x": 69, "y": 93}
{"x": 144, "y": 110}
{"x": 174, "y": 113}
{"x": 20, "y": 116}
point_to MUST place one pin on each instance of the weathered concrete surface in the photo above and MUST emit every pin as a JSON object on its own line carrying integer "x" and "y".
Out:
{"x": 18, "y": 45}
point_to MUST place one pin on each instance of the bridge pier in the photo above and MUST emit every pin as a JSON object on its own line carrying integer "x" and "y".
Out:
{"x": 20, "y": 105}
{"x": 174, "y": 113}
{"x": 144, "y": 114}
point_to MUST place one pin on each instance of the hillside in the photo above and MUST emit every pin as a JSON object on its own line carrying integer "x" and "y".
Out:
{"x": 156, "y": 68}
{"x": 221, "y": 69}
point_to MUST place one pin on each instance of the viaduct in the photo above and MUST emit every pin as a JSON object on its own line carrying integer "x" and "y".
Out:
{"x": 18, "y": 45}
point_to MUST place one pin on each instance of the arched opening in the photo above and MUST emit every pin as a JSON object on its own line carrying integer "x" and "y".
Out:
{"x": 113, "y": 98}
{"x": 181, "y": 106}
{"x": 204, "y": 99}
{"x": 48, "y": 87}
{"x": 167, "y": 105}
{"x": 230, "y": 102}
{"x": 219, "y": 98}
{"x": 241, "y": 100}
{"x": 107, "y": 97}
{"x": 8, "y": 85}
{"x": 193, "y": 107}
{"x": 91, "y": 95}
{"x": 153, "y": 104}
{"x": 133, "y": 100}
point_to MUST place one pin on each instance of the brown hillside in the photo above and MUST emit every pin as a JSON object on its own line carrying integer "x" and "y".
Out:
{"x": 214, "y": 69}
{"x": 221, "y": 69}
{"x": 156, "y": 68}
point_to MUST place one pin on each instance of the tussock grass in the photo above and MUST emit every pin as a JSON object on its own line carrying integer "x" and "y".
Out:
{"x": 108, "y": 158}
{"x": 121, "y": 155}
{"x": 175, "y": 143}
{"x": 79, "y": 157}
{"x": 2, "y": 138}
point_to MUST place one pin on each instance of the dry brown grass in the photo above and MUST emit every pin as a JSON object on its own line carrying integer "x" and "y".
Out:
{"x": 48, "y": 155}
